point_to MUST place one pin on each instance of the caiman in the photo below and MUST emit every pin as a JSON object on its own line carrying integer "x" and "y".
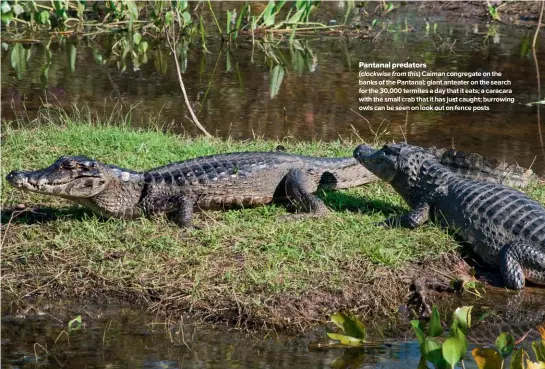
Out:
{"x": 502, "y": 225}
{"x": 210, "y": 182}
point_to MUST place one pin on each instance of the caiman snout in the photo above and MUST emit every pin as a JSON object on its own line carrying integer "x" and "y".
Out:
{"x": 15, "y": 177}
{"x": 362, "y": 151}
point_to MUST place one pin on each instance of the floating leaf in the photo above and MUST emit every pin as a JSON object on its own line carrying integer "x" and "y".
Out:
{"x": 453, "y": 350}
{"x": 505, "y": 343}
{"x": 345, "y": 340}
{"x": 487, "y": 358}
{"x": 435, "y": 328}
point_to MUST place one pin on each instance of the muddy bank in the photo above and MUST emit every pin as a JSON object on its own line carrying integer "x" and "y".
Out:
{"x": 378, "y": 298}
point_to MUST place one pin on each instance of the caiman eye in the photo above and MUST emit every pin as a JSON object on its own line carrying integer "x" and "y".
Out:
{"x": 70, "y": 164}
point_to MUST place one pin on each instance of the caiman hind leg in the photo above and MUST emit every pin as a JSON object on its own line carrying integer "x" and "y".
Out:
{"x": 297, "y": 191}
{"x": 183, "y": 216}
{"x": 521, "y": 260}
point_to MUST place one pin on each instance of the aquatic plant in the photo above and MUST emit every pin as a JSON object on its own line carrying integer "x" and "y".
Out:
{"x": 80, "y": 16}
{"x": 445, "y": 349}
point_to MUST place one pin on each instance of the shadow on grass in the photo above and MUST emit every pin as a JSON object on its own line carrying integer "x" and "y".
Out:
{"x": 340, "y": 201}
{"x": 336, "y": 200}
{"x": 36, "y": 215}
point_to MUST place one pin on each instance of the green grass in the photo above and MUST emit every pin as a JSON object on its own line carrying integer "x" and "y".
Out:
{"x": 245, "y": 265}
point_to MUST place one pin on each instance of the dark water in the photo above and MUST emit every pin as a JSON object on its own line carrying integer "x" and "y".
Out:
{"x": 231, "y": 87}
{"x": 120, "y": 337}
{"x": 35, "y": 334}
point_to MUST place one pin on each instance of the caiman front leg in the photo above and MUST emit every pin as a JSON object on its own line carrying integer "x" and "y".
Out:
{"x": 519, "y": 261}
{"x": 415, "y": 218}
{"x": 297, "y": 190}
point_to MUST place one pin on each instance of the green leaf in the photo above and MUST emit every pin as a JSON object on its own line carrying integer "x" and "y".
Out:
{"x": 296, "y": 18}
{"x": 457, "y": 333}
{"x": 72, "y": 53}
{"x": 463, "y": 316}
{"x": 75, "y": 323}
{"x": 7, "y": 17}
{"x": 42, "y": 17}
{"x": 431, "y": 349}
{"x": 435, "y": 328}
{"x": 187, "y": 18}
{"x": 345, "y": 340}
{"x": 97, "y": 56}
{"x": 18, "y": 9}
{"x": 277, "y": 75}
{"x": 419, "y": 331}
{"x": 133, "y": 9}
{"x": 505, "y": 343}
{"x": 539, "y": 350}
{"x": 18, "y": 59}
{"x": 136, "y": 37}
{"x": 453, "y": 350}
{"x": 349, "y": 324}
{"x": 168, "y": 18}
{"x": 517, "y": 361}
{"x": 5, "y": 46}
{"x": 143, "y": 46}
{"x": 6, "y": 8}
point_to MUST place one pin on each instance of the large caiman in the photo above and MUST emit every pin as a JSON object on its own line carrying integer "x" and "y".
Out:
{"x": 210, "y": 182}
{"x": 502, "y": 225}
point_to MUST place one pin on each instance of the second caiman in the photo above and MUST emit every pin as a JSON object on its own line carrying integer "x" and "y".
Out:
{"x": 502, "y": 225}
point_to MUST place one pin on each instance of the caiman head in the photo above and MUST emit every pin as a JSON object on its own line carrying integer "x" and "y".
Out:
{"x": 402, "y": 165}
{"x": 73, "y": 177}
{"x": 107, "y": 189}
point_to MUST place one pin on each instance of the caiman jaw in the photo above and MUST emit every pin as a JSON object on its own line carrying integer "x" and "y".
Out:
{"x": 69, "y": 177}
{"x": 25, "y": 181}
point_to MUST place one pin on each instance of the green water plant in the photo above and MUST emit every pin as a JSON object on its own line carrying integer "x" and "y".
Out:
{"x": 448, "y": 352}
{"x": 446, "y": 348}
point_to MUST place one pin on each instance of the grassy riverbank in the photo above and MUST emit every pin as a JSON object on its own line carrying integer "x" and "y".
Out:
{"x": 244, "y": 266}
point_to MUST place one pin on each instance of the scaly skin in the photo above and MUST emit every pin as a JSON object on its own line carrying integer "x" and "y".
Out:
{"x": 502, "y": 225}
{"x": 212, "y": 182}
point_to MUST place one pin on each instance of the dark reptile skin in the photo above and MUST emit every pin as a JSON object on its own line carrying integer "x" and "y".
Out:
{"x": 502, "y": 225}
